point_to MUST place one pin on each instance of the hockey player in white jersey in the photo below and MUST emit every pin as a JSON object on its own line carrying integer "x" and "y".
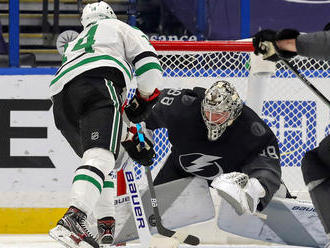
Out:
{"x": 86, "y": 94}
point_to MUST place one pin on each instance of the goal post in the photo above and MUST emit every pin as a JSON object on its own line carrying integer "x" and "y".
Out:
{"x": 297, "y": 117}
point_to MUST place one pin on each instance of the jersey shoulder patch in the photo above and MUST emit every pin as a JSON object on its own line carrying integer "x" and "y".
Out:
{"x": 190, "y": 96}
{"x": 188, "y": 100}
{"x": 258, "y": 129}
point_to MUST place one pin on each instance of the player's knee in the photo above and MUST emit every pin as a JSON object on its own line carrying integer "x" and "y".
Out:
{"x": 99, "y": 158}
{"x": 313, "y": 168}
{"x": 324, "y": 151}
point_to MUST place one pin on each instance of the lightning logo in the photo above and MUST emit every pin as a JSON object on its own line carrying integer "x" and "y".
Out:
{"x": 201, "y": 165}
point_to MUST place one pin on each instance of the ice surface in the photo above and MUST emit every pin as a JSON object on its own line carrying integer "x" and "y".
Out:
{"x": 43, "y": 241}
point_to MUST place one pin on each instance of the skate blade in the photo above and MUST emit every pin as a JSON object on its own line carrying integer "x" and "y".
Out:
{"x": 63, "y": 236}
{"x": 106, "y": 245}
{"x": 232, "y": 201}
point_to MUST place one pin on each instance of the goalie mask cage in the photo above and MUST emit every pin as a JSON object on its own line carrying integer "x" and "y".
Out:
{"x": 298, "y": 118}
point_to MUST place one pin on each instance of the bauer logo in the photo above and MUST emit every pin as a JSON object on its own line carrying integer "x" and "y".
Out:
{"x": 300, "y": 208}
{"x": 121, "y": 200}
{"x": 135, "y": 199}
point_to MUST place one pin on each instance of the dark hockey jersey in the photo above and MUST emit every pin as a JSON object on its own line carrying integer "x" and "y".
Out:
{"x": 246, "y": 140}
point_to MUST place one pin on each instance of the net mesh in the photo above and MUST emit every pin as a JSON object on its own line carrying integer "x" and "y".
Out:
{"x": 298, "y": 117}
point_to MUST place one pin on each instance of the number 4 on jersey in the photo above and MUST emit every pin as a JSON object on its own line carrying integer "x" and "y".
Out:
{"x": 89, "y": 41}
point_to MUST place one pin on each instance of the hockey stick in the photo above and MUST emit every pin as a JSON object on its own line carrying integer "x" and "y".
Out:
{"x": 183, "y": 238}
{"x": 141, "y": 221}
{"x": 305, "y": 81}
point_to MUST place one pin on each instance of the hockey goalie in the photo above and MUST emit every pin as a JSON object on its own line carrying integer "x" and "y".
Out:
{"x": 220, "y": 142}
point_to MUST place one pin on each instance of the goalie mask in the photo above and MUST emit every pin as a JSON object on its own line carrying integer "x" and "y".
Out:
{"x": 96, "y": 11}
{"x": 220, "y": 107}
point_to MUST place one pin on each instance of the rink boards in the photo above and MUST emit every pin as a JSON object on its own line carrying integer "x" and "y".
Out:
{"x": 37, "y": 164}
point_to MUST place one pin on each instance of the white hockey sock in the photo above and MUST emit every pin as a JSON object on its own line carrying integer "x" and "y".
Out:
{"x": 89, "y": 178}
{"x": 105, "y": 204}
{"x": 84, "y": 196}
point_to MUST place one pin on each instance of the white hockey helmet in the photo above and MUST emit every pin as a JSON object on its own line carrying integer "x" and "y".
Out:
{"x": 220, "y": 107}
{"x": 96, "y": 11}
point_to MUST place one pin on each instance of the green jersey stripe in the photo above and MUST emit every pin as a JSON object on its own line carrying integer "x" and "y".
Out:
{"x": 108, "y": 184}
{"x": 116, "y": 120}
{"x": 90, "y": 60}
{"x": 147, "y": 67}
{"x": 88, "y": 179}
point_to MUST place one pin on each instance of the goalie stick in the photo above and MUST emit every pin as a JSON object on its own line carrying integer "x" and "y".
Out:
{"x": 289, "y": 65}
{"x": 141, "y": 222}
{"x": 183, "y": 238}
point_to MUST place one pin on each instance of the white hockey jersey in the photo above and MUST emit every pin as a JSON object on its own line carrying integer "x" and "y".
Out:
{"x": 113, "y": 43}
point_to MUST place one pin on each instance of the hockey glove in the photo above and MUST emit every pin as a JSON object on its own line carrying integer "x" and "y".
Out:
{"x": 143, "y": 156}
{"x": 139, "y": 108}
{"x": 263, "y": 43}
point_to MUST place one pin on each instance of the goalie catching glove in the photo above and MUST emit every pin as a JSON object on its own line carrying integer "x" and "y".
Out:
{"x": 139, "y": 108}
{"x": 264, "y": 42}
{"x": 142, "y": 155}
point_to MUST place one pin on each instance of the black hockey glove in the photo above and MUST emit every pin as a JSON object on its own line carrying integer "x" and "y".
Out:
{"x": 264, "y": 42}
{"x": 138, "y": 108}
{"x": 143, "y": 156}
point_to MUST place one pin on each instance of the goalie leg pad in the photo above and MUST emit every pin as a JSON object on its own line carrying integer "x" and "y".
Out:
{"x": 175, "y": 199}
{"x": 313, "y": 169}
{"x": 321, "y": 198}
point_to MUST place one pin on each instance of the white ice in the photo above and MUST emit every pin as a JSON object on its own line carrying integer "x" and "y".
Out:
{"x": 44, "y": 241}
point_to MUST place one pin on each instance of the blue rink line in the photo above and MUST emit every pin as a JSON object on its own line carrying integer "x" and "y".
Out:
{"x": 27, "y": 71}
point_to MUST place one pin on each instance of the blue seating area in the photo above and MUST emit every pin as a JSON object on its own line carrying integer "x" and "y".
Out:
{"x": 41, "y": 21}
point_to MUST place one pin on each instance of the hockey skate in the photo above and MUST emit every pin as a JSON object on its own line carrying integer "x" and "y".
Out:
{"x": 239, "y": 191}
{"x": 71, "y": 230}
{"x": 106, "y": 229}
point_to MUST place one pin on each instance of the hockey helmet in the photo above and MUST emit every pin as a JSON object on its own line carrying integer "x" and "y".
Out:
{"x": 220, "y": 107}
{"x": 96, "y": 11}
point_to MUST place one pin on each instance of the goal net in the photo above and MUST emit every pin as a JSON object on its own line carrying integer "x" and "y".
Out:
{"x": 296, "y": 115}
